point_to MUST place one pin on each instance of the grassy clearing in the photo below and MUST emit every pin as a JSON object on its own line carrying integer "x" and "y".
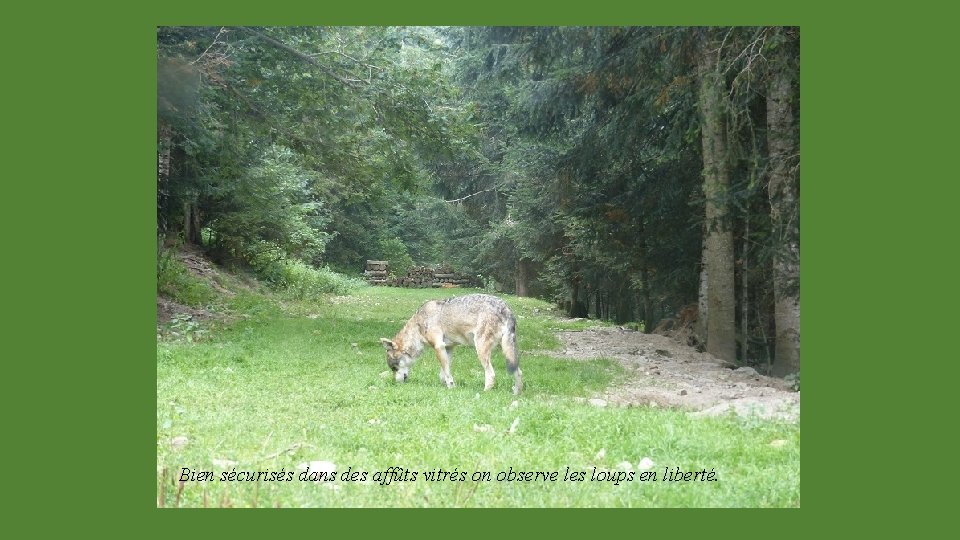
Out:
{"x": 297, "y": 381}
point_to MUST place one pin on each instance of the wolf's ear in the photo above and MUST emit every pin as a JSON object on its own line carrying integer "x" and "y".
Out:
{"x": 387, "y": 344}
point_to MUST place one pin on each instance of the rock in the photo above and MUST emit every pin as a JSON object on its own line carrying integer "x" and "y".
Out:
{"x": 683, "y": 392}
{"x": 179, "y": 442}
{"x": 716, "y": 410}
{"x": 746, "y": 370}
{"x": 482, "y": 428}
{"x": 318, "y": 466}
{"x": 645, "y": 464}
{"x": 601, "y": 454}
{"x": 597, "y": 402}
{"x": 224, "y": 463}
{"x": 778, "y": 443}
{"x": 625, "y": 466}
{"x": 514, "y": 404}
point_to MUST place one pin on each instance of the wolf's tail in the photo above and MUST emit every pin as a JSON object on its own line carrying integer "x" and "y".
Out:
{"x": 509, "y": 345}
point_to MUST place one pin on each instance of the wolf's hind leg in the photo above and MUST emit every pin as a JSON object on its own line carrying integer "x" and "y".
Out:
{"x": 484, "y": 351}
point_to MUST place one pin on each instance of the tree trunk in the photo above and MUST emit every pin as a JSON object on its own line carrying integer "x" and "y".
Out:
{"x": 164, "y": 151}
{"x": 191, "y": 223}
{"x": 577, "y": 308}
{"x": 187, "y": 222}
{"x": 783, "y": 140}
{"x": 700, "y": 327}
{"x": 648, "y": 321}
{"x": 718, "y": 244}
{"x": 523, "y": 275}
{"x": 197, "y": 238}
{"x": 745, "y": 290}
{"x": 625, "y": 307}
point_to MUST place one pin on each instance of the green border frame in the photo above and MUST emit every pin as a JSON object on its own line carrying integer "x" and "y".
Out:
{"x": 84, "y": 117}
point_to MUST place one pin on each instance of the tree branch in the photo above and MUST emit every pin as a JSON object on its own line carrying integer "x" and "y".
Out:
{"x": 215, "y": 40}
{"x": 299, "y": 54}
{"x": 468, "y": 196}
{"x": 345, "y": 55}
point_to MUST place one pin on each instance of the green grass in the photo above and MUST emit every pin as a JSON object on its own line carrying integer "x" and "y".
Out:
{"x": 286, "y": 375}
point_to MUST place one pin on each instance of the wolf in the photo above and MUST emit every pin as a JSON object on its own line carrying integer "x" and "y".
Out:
{"x": 478, "y": 319}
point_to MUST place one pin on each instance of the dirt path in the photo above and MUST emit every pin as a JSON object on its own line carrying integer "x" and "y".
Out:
{"x": 663, "y": 373}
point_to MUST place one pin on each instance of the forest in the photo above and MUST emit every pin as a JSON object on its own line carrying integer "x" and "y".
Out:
{"x": 640, "y": 175}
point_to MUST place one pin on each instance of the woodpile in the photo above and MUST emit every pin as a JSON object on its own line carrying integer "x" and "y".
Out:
{"x": 376, "y": 272}
{"x": 418, "y": 277}
{"x": 445, "y": 276}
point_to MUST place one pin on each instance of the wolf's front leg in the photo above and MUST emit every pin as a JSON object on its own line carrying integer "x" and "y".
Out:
{"x": 443, "y": 356}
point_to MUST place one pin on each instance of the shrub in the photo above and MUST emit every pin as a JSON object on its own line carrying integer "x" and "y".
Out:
{"x": 395, "y": 251}
{"x": 303, "y": 282}
{"x": 267, "y": 261}
{"x": 176, "y": 282}
{"x": 296, "y": 278}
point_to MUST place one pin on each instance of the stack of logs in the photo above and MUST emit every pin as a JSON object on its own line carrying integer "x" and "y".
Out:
{"x": 419, "y": 277}
{"x": 444, "y": 276}
{"x": 376, "y": 272}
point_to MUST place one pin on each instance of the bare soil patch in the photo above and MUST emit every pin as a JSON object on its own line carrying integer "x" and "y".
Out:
{"x": 664, "y": 373}
{"x": 167, "y": 309}
{"x": 201, "y": 267}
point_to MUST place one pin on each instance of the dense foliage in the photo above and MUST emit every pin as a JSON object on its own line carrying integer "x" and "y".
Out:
{"x": 564, "y": 163}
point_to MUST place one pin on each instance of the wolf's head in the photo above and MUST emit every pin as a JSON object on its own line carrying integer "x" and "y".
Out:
{"x": 398, "y": 360}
